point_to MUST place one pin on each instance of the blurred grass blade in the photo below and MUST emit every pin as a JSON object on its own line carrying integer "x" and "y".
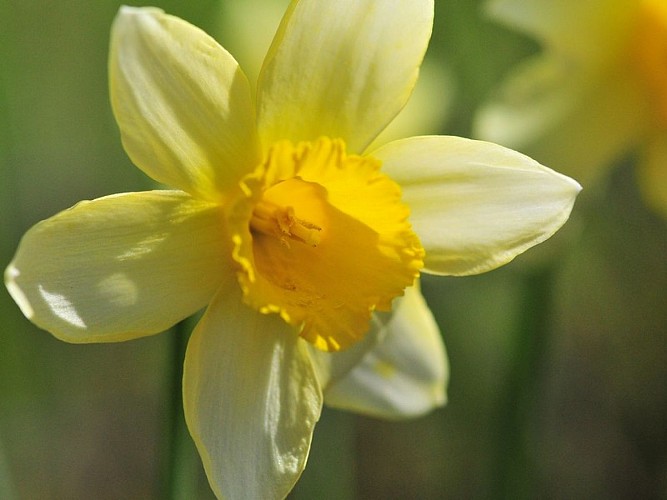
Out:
{"x": 7, "y": 491}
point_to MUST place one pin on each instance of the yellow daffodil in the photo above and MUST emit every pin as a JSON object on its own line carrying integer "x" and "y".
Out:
{"x": 596, "y": 91}
{"x": 295, "y": 237}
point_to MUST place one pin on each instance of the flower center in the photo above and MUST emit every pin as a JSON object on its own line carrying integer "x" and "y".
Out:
{"x": 651, "y": 53}
{"x": 322, "y": 239}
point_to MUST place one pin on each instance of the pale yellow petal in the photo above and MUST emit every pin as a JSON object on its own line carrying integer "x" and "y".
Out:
{"x": 342, "y": 69}
{"x": 251, "y": 400}
{"x": 120, "y": 267}
{"x": 476, "y": 205}
{"x": 405, "y": 375}
{"x": 183, "y": 106}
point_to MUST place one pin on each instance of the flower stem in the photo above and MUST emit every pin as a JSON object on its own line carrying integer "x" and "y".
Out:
{"x": 180, "y": 471}
{"x": 518, "y": 404}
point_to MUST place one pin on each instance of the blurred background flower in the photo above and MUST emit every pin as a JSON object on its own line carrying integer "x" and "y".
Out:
{"x": 558, "y": 360}
{"x": 596, "y": 91}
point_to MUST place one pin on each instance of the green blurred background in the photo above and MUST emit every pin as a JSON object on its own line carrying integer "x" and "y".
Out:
{"x": 558, "y": 361}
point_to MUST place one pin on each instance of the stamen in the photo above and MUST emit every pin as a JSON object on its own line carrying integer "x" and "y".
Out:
{"x": 282, "y": 223}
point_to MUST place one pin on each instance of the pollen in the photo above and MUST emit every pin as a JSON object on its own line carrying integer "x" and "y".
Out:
{"x": 323, "y": 240}
{"x": 651, "y": 53}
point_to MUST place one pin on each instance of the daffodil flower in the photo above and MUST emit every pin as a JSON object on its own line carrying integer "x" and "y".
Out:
{"x": 597, "y": 90}
{"x": 296, "y": 239}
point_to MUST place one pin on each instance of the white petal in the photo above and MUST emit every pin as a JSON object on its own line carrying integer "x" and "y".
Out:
{"x": 341, "y": 69}
{"x": 183, "y": 106}
{"x": 476, "y": 205}
{"x": 251, "y": 400}
{"x": 405, "y": 375}
{"x": 120, "y": 267}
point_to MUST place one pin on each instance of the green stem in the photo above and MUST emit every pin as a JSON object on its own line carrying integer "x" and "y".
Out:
{"x": 516, "y": 474}
{"x": 180, "y": 471}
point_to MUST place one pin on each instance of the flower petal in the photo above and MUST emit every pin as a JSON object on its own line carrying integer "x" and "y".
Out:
{"x": 342, "y": 69}
{"x": 476, "y": 205}
{"x": 183, "y": 105}
{"x": 405, "y": 375}
{"x": 119, "y": 267}
{"x": 251, "y": 400}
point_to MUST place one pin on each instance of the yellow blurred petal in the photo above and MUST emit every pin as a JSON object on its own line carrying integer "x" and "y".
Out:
{"x": 120, "y": 267}
{"x": 476, "y": 205}
{"x": 328, "y": 241}
{"x": 342, "y": 69}
{"x": 572, "y": 121}
{"x": 183, "y": 106}
{"x": 405, "y": 375}
{"x": 251, "y": 400}
{"x": 538, "y": 92}
{"x": 592, "y": 31}
{"x": 649, "y": 52}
